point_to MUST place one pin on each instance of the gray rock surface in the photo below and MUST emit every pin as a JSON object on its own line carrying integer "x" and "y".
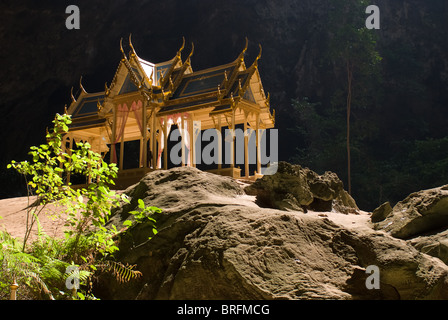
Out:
{"x": 297, "y": 188}
{"x": 381, "y": 213}
{"x": 215, "y": 242}
{"x": 420, "y": 212}
{"x": 435, "y": 245}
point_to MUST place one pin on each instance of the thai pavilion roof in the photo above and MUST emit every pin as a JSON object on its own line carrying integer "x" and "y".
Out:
{"x": 173, "y": 87}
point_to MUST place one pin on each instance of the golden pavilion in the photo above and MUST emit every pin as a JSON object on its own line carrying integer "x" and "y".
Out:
{"x": 144, "y": 100}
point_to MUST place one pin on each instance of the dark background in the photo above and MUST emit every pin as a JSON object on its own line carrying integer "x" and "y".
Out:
{"x": 399, "y": 136}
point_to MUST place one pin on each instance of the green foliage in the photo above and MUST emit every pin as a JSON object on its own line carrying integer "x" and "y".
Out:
{"x": 45, "y": 174}
{"x": 89, "y": 244}
{"x": 123, "y": 273}
{"x": 398, "y": 127}
{"x": 45, "y": 179}
{"x": 350, "y": 61}
{"x": 353, "y": 47}
{"x": 319, "y": 129}
{"x": 143, "y": 215}
{"x": 24, "y": 268}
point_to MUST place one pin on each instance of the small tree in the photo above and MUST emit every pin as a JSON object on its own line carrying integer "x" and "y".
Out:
{"x": 88, "y": 208}
{"x": 352, "y": 49}
{"x": 45, "y": 173}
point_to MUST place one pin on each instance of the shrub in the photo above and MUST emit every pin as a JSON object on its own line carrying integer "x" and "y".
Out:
{"x": 88, "y": 246}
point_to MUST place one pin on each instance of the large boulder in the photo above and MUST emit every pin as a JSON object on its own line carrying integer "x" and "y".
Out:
{"x": 435, "y": 245}
{"x": 382, "y": 212}
{"x": 421, "y": 218}
{"x": 214, "y": 242}
{"x": 421, "y": 212}
{"x": 295, "y": 188}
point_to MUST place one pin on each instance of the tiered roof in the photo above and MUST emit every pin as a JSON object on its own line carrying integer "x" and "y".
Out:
{"x": 173, "y": 87}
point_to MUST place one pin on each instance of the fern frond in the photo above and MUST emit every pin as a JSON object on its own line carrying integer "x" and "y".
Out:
{"x": 8, "y": 242}
{"x": 20, "y": 265}
{"x": 38, "y": 280}
{"x": 123, "y": 273}
{"x": 53, "y": 269}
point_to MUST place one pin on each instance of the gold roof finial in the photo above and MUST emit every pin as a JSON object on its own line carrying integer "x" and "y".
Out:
{"x": 98, "y": 105}
{"x": 241, "y": 56}
{"x": 258, "y": 57}
{"x": 268, "y": 100}
{"x": 188, "y": 60}
{"x": 81, "y": 86}
{"x": 130, "y": 44}
{"x": 106, "y": 90}
{"x": 220, "y": 95}
{"x": 171, "y": 83}
{"x": 181, "y": 48}
{"x": 65, "y": 109}
{"x": 71, "y": 94}
{"x": 232, "y": 100}
{"x": 151, "y": 79}
{"x": 160, "y": 77}
{"x": 121, "y": 49}
{"x": 240, "y": 88}
{"x": 191, "y": 52}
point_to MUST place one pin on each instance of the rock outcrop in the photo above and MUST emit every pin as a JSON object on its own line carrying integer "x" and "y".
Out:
{"x": 421, "y": 219}
{"x": 297, "y": 188}
{"x": 382, "y": 212}
{"x": 435, "y": 245}
{"x": 215, "y": 242}
{"x": 420, "y": 212}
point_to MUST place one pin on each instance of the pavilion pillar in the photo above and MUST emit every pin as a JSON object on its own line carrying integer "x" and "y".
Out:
{"x": 114, "y": 134}
{"x": 63, "y": 150}
{"x": 246, "y": 145}
{"x": 140, "y": 160}
{"x": 192, "y": 142}
{"x": 121, "y": 151}
{"x": 159, "y": 144}
{"x": 89, "y": 177}
{"x": 99, "y": 151}
{"x": 165, "y": 144}
{"x": 258, "y": 137}
{"x": 182, "y": 139}
{"x": 232, "y": 145}
{"x": 219, "y": 132}
{"x": 153, "y": 140}
{"x": 144, "y": 140}
{"x": 70, "y": 147}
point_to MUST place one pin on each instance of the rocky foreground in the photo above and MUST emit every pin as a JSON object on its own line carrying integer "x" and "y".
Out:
{"x": 293, "y": 235}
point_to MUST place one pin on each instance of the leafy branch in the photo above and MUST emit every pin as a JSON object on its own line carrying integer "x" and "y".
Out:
{"x": 88, "y": 243}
